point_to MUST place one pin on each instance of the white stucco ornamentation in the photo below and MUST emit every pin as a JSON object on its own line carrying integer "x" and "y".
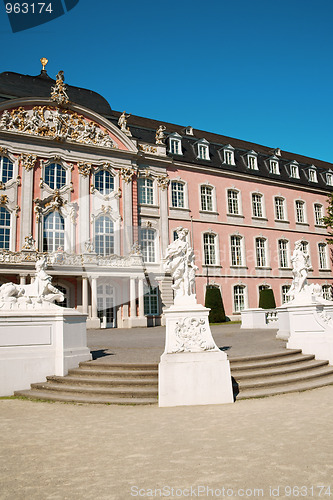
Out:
{"x": 127, "y": 173}
{"x": 180, "y": 264}
{"x": 56, "y": 123}
{"x": 28, "y": 161}
{"x": 122, "y": 123}
{"x": 29, "y": 243}
{"x": 58, "y": 91}
{"x": 190, "y": 336}
{"x": 160, "y": 135}
{"x": 163, "y": 182}
{"x": 38, "y": 293}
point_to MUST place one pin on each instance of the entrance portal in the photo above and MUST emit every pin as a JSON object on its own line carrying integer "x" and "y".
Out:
{"x": 105, "y": 305}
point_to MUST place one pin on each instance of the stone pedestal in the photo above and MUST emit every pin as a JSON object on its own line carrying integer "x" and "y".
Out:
{"x": 192, "y": 370}
{"x": 39, "y": 342}
{"x": 311, "y": 329}
{"x": 259, "y": 319}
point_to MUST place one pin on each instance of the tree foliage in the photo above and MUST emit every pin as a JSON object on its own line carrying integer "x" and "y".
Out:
{"x": 328, "y": 219}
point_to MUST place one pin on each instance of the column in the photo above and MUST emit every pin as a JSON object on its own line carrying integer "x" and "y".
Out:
{"x": 26, "y": 204}
{"x": 94, "y": 298}
{"x": 132, "y": 298}
{"x": 85, "y": 295}
{"x": 164, "y": 221}
{"x": 141, "y": 298}
{"x": 128, "y": 217}
{"x": 84, "y": 211}
{"x": 23, "y": 279}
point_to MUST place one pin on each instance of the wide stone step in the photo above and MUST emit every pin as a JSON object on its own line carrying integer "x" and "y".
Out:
{"x": 284, "y": 389}
{"x": 95, "y": 372}
{"x": 99, "y": 381}
{"x": 93, "y": 365}
{"x": 249, "y": 363}
{"x": 258, "y": 357}
{"x": 302, "y": 365}
{"x": 83, "y": 398}
{"x": 119, "y": 392}
{"x": 284, "y": 379}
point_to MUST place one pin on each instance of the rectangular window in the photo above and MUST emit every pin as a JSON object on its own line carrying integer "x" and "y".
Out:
{"x": 239, "y": 299}
{"x": 313, "y": 176}
{"x": 203, "y": 152}
{"x": 322, "y": 256}
{"x": 285, "y": 297}
{"x": 175, "y": 146}
{"x": 229, "y": 157}
{"x": 206, "y": 198}
{"x": 318, "y": 210}
{"x": 252, "y": 163}
{"x": 327, "y": 292}
{"x": 279, "y": 209}
{"x": 300, "y": 214}
{"x": 209, "y": 249}
{"x": 146, "y": 191}
{"x": 236, "y": 251}
{"x": 257, "y": 205}
{"x": 283, "y": 253}
{"x": 177, "y": 194}
{"x": 329, "y": 179}
{"x": 294, "y": 171}
{"x": 151, "y": 301}
{"x": 233, "y": 205}
{"x": 147, "y": 242}
{"x": 261, "y": 252}
{"x": 274, "y": 167}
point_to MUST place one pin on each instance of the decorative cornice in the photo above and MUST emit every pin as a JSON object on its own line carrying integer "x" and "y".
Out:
{"x": 3, "y": 151}
{"x": 127, "y": 173}
{"x": 84, "y": 168}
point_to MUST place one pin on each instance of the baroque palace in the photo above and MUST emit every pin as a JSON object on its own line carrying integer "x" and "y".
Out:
{"x": 101, "y": 194}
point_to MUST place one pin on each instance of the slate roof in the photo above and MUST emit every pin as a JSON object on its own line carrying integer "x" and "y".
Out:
{"x": 15, "y": 85}
{"x": 144, "y": 130}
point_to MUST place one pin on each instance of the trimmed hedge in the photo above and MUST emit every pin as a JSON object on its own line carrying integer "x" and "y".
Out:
{"x": 213, "y": 300}
{"x": 266, "y": 299}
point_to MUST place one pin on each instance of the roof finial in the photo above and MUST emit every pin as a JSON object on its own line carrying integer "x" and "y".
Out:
{"x": 44, "y": 62}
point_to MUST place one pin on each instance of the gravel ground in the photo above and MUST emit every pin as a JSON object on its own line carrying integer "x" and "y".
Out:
{"x": 68, "y": 451}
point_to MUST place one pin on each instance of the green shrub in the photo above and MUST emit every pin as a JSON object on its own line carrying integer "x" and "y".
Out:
{"x": 266, "y": 299}
{"x": 213, "y": 300}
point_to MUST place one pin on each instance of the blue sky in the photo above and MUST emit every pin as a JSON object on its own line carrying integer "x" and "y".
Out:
{"x": 255, "y": 70}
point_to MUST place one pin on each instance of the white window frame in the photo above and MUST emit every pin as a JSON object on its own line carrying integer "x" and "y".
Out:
{"x": 276, "y": 209}
{"x": 213, "y": 255}
{"x": 252, "y": 160}
{"x": 327, "y": 291}
{"x": 244, "y": 298}
{"x": 2, "y": 157}
{"x": 106, "y": 216}
{"x": 142, "y": 187}
{"x": 228, "y": 155}
{"x": 111, "y": 175}
{"x": 317, "y": 217}
{"x": 185, "y": 196}
{"x": 313, "y": 174}
{"x": 261, "y": 253}
{"x": 322, "y": 256}
{"x": 205, "y": 147}
{"x": 284, "y": 297}
{"x": 213, "y": 198}
{"x": 149, "y": 257}
{"x": 175, "y": 140}
{"x": 63, "y": 232}
{"x": 147, "y": 299}
{"x": 237, "y": 259}
{"x": 254, "y": 205}
{"x": 285, "y": 255}
{"x": 294, "y": 168}
{"x": 329, "y": 178}
{"x": 300, "y": 214}
{"x": 8, "y": 228}
{"x": 274, "y": 165}
{"x": 238, "y": 201}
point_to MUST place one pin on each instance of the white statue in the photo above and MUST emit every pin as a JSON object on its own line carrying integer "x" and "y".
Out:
{"x": 160, "y": 135}
{"x": 41, "y": 290}
{"x": 301, "y": 265}
{"x": 180, "y": 264}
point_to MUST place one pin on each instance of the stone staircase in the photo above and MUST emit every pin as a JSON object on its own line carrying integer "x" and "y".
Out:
{"x": 137, "y": 384}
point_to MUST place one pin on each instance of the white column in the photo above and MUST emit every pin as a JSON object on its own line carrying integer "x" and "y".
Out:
{"x": 84, "y": 211}
{"x": 164, "y": 221}
{"x": 85, "y": 295}
{"x": 132, "y": 298}
{"x": 23, "y": 278}
{"x": 94, "y": 298}
{"x": 127, "y": 217}
{"x": 141, "y": 298}
{"x": 26, "y": 205}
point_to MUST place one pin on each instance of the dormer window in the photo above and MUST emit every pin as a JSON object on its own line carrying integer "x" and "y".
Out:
{"x": 329, "y": 179}
{"x": 313, "y": 174}
{"x": 203, "y": 149}
{"x": 175, "y": 144}
{"x": 252, "y": 162}
{"x": 228, "y": 155}
{"x": 274, "y": 166}
{"x": 294, "y": 170}
{"x": 189, "y": 130}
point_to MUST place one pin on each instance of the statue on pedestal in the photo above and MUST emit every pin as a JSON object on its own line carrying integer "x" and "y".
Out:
{"x": 180, "y": 264}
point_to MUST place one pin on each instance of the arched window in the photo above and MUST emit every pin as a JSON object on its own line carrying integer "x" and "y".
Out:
{"x": 4, "y": 228}
{"x": 209, "y": 241}
{"x": 147, "y": 242}
{"x": 239, "y": 298}
{"x": 104, "y": 182}
{"x": 104, "y": 235}
{"x": 55, "y": 176}
{"x": 6, "y": 169}
{"x": 260, "y": 252}
{"x": 206, "y": 193}
{"x": 177, "y": 194}
{"x": 236, "y": 251}
{"x": 54, "y": 232}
